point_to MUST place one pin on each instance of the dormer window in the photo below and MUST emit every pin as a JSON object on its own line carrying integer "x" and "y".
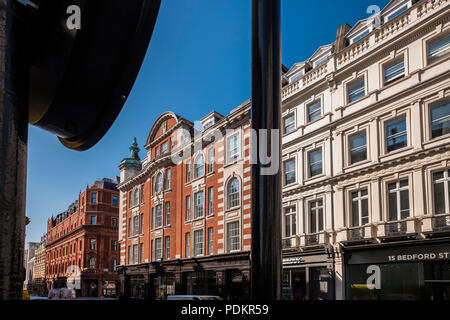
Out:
{"x": 320, "y": 61}
{"x": 208, "y": 124}
{"x": 164, "y": 127}
{"x": 397, "y": 13}
{"x": 360, "y": 36}
{"x": 296, "y": 76}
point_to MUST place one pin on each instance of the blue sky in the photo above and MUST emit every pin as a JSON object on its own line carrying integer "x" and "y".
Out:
{"x": 199, "y": 60}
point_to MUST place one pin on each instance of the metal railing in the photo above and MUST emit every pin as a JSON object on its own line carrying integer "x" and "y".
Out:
{"x": 441, "y": 222}
{"x": 356, "y": 234}
{"x": 396, "y": 228}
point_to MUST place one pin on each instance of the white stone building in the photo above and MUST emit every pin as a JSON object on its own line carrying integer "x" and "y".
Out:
{"x": 366, "y": 160}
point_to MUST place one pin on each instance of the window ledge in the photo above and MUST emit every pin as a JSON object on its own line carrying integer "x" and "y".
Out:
{"x": 319, "y": 176}
{"x": 356, "y": 164}
{"x": 387, "y": 154}
{"x": 233, "y": 163}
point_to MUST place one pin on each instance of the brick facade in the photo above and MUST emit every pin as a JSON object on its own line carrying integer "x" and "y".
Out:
{"x": 85, "y": 236}
{"x": 175, "y": 253}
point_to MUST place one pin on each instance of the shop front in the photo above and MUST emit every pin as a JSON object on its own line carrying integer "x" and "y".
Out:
{"x": 308, "y": 277}
{"x": 415, "y": 271}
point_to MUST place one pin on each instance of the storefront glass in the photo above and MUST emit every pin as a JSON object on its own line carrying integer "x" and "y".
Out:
{"x": 398, "y": 281}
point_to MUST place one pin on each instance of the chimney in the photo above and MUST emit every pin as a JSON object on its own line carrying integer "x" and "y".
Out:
{"x": 341, "y": 42}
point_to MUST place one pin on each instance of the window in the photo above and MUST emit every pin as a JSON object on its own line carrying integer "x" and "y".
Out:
{"x": 356, "y": 90}
{"x": 114, "y": 222}
{"x": 168, "y": 178}
{"x": 199, "y": 166}
{"x": 167, "y": 212}
{"x": 136, "y": 197}
{"x": 158, "y": 216}
{"x": 360, "y": 208}
{"x": 289, "y": 172}
{"x": 167, "y": 247}
{"x": 141, "y": 253}
{"x": 187, "y": 244}
{"x": 129, "y": 227}
{"x": 93, "y": 219}
{"x": 394, "y": 71}
{"x": 316, "y": 216}
{"x": 290, "y": 222}
{"x": 198, "y": 204}
{"x": 296, "y": 76}
{"x": 142, "y": 194}
{"x": 233, "y": 191}
{"x": 320, "y": 61}
{"x": 210, "y": 241}
{"x": 233, "y": 236}
{"x": 159, "y": 182}
{"x": 438, "y": 48}
{"x": 91, "y": 263}
{"x": 164, "y": 127}
{"x": 114, "y": 245}
{"x": 315, "y": 162}
{"x": 130, "y": 203}
{"x": 397, "y": 13}
{"x": 114, "y": 200}
{"x": 135, "y": 225}
{"x": 164, "y": 148}
{"x": 440, "y": 119}
{"x": 441, "y": 191}
{"x": 94, "y": 198}
{"x": 360, "y": 36}
{"x": 398, "y": 200}
{"x": 314, "y": 111}
{"x": 114, "y": 264}
{"x": 210, "y": 201}
{"x": 396, "y": 135}
{"x": 135, "y": 254}
{"x": 233, "y": 148}
{"x": 198, "y": 242}
{"x": 92, "y": 243}
{"x": 358, "y": 147}
{"x": 289, "y": 123}
{"x": 188, "y": 208}
{"x": 188, "y": 171}
{"x": 210, "y": 160}
{"x": 153, "y": 218}
{"x": 158, "y": 248}
{"x": 141, "y": 226}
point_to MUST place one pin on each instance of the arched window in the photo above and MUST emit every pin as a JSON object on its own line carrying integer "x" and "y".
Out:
{"x": 136, "y": 197}
{"x": 233, "y": 193}
{"x": 159, "y": 182}
{"x": 199, "y": 166}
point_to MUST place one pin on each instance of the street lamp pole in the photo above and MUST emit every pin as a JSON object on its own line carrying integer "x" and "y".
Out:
{"x": 265, "y": 114}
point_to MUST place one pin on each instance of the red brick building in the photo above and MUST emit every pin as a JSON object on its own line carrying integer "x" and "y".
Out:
{"x": 185, "y": 225}
{"x": 82, "y": 245}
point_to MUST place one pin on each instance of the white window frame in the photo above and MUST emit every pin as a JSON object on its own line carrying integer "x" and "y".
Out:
{"x": 167, "y": 213}
{"x": 285, "y": 173}
{"x": 310, "y": 164}
{"x": 158, "y": 250}
{"x": 167, "y": 247}
{"x": 158, "y": 217}
{"x": 234, "y": 152}
{"x": 446, "y": 181}
{"x": 398, "y": 191}
{"x": 210, "y": 201}
{"x": 210, "y": 240}
{"x": 445, "y": 50}
{"x": 433, "y": 105}
{"x": 187, "y": 244}
{"x": 159, "y": 182}
{"x": 210, "y": 160}
{"x": 290, "y": 214}
{"x": 359, "y": 199}
{"x": 168, "y": 178}
{"x": 199, "y": 169}
{"x": 317, "y": 209}
{"x": 236, "y": 237}
{"x": 291, "y": 125}
{"x": 187, "y": 216}
{"x": 199, "y": 238}
{"x": 386, "y": 137}
{"x": 233, "y": 197}
{"x": 309, "y": 106}
{"x": 391, "y": 64}
{"x": 199, "y": 204}
{"x": 350, "y": 136}
{"x": 355, "y": 81}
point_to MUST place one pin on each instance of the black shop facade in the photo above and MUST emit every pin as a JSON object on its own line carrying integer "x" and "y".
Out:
{"x": 418, "y": 270}
{"x": 308, "y": 274}
{"x": 227, "y": 276}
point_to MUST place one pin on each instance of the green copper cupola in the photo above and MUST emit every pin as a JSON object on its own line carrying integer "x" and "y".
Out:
{"x": 132, "y": 165}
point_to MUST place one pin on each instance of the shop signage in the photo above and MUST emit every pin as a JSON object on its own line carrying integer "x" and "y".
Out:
{"x": 416, "y": 253}
{"x": 294, "y": 260}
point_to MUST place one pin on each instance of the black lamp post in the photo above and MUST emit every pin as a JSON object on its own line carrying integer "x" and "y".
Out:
{"x": 265, "y": 114}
